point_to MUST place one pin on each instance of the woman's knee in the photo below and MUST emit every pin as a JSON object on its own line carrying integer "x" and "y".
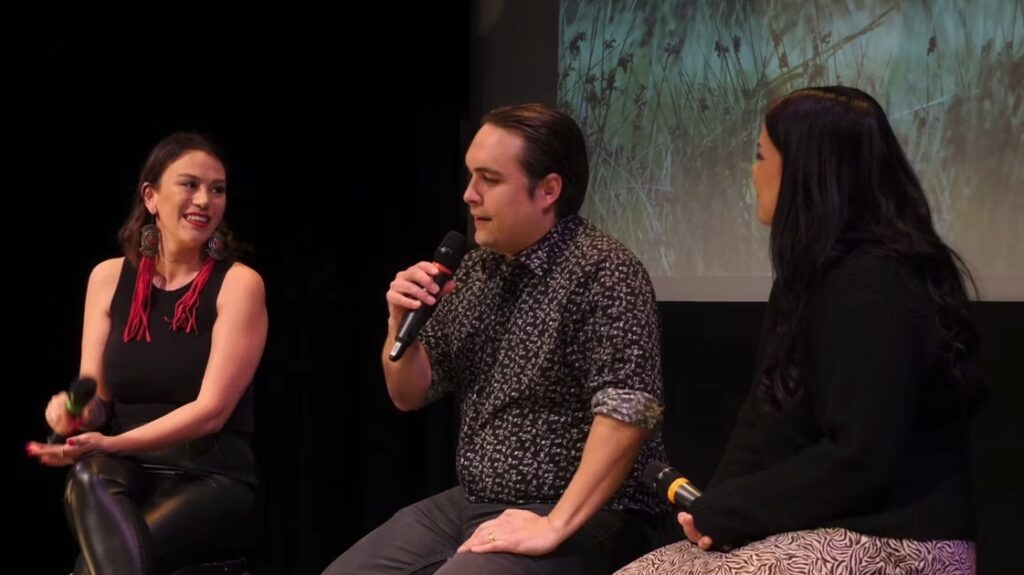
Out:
{"x": 81, "y": 477}
{"x": 92, "y": 474}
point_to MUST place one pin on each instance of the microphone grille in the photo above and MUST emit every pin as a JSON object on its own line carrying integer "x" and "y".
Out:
{"x": 652, "y": 472}
{"x": 452, "y": 249}
{"x": 82, "y": 390}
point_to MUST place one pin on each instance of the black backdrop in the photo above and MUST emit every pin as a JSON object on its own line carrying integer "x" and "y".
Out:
{"x": 344, "y": 161}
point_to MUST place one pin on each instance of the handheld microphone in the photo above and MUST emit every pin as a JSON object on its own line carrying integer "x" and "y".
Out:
{"x": 668, "y": 482}
{"x": 80, "y": 393}
{"x": 447, "y": 258}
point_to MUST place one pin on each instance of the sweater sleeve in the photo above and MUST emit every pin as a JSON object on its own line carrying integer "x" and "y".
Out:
{"x": 741, "y": 456}
{"x": 868, "y": 361}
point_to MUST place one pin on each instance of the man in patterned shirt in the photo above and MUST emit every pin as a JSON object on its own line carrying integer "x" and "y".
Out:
{"x": 549, "y": 339}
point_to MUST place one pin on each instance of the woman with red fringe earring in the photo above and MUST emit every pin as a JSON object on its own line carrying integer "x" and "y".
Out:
{"x": 162, "y": 463}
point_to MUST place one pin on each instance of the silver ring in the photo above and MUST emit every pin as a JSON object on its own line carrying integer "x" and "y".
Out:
{"x": 61, "y": 452}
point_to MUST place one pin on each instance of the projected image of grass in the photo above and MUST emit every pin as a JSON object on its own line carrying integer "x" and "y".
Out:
{"x": 671, "y": 96}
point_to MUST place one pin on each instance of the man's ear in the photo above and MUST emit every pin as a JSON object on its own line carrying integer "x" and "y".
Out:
{"x": 548, "y": 190}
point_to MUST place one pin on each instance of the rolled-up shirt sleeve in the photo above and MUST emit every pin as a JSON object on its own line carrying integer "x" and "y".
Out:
{"x": 622, "y": 336}
{"x": 628, "y": 406}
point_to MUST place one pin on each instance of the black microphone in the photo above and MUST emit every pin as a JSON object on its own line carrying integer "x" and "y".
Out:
{"x": 447, "y": 258}
{"x": 668, "y": 482}
{"x": 80, "y": 393}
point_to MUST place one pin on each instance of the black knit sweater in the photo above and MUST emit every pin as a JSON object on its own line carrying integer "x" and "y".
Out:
{"x": 875, "y": 444}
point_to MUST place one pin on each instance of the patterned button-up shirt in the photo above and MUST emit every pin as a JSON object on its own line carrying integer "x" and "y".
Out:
{"x": 534, "y": 347}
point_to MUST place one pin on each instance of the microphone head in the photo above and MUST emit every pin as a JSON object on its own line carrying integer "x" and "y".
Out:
{"x": 81, "y": 392}
{"x": 669, "y": 483}
{"x": 660, "y": 476}
{"x": 656, "y": 471}
{"x": 450, "y": 252}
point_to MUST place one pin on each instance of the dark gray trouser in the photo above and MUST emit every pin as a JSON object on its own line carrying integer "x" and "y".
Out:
{"x": 422, "y": 539}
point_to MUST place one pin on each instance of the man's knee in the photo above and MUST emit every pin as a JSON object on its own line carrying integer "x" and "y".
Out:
{"x": 373, "y": 551}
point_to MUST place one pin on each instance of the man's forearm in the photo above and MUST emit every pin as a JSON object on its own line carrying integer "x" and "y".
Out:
{"x": 608, "y": 456}
{"x": 408, "y": 378}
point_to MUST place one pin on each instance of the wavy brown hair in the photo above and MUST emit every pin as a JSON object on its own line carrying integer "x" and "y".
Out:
{"x": 163, "y": 154}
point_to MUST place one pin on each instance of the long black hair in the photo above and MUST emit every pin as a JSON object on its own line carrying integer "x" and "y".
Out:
{"x": 846, "y": 185}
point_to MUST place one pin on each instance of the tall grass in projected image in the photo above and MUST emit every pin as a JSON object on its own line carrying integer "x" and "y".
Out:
{"x": 671, "y": 95}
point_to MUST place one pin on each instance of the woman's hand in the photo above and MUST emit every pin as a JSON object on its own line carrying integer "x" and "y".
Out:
{"x": 57, "y": 416}
{"x": 75, "y": 448}
{"x": 695, "y": 536}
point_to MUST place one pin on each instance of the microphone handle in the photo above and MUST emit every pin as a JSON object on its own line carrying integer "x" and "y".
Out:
{"x": 414, "y": 320}
{"x": 684, "y": 493}
{"x": 55, "y": 438}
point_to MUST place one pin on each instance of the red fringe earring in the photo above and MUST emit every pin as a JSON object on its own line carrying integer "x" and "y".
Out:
{"x": 137, "y": 326}
{"x": 185, "y": 309}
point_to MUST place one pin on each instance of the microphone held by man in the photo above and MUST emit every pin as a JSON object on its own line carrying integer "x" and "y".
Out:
{"x": 446, "y": 259}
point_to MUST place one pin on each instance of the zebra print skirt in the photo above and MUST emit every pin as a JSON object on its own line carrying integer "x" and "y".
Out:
{"x": 821, "y": 551}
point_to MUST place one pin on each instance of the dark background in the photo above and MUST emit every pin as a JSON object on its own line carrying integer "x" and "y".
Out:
{"x": 345, "y": 166}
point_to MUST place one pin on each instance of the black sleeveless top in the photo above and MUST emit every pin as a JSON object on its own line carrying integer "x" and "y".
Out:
{"x": 147, "y": 380}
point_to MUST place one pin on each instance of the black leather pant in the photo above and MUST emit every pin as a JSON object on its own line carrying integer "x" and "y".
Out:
{"x": 131, "y": 519}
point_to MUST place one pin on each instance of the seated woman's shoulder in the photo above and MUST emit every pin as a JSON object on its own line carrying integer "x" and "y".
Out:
{"x": 107, "y": 271}
{"x": 243, "y": 280}
{"x": 870, "y": 266}
{"x": 872, "y": 275}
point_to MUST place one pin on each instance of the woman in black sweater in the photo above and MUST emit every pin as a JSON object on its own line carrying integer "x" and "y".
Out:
{"x": 850, "y": 452}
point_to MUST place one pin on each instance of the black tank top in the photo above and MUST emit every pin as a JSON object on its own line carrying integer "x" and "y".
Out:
{"x": 150, "y": 379}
